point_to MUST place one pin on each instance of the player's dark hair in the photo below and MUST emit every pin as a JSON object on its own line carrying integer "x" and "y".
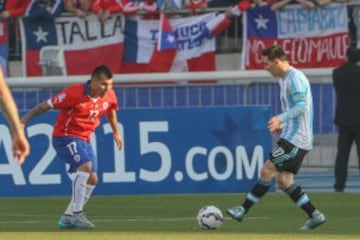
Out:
{"x": 102, "y": 70}
{"x": 274, "y": 51}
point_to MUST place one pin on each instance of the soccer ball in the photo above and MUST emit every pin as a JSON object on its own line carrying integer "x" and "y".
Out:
{"x": 210, "y": 217}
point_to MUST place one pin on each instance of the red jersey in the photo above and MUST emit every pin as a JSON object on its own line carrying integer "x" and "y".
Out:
{"x": 80, "y": 114}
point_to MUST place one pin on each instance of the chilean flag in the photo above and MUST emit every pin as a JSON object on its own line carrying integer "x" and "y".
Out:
{"x": 71, "y": 43}
{"x": 194, "y": 40}
{"x": 165, "y": 52}
{"x": 167, "y": 38}
{"x": 312, "y": 38}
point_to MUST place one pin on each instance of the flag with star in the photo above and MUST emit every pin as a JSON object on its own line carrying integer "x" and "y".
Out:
{"x": 166, "y": 36}
{"x": 310, "y": 37}
{"x": 195, "y": 43}
{"x": 166, "y": 48}
{"x": 77, "y": 40}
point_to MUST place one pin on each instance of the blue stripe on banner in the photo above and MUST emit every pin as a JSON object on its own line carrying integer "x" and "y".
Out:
{"x": 130, "y": 41}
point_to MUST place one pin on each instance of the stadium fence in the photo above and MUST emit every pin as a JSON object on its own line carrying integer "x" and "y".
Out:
{"x": 205, "y": 89}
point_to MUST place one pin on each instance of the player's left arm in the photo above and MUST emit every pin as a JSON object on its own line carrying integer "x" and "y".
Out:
{"x": 112, "y": 119}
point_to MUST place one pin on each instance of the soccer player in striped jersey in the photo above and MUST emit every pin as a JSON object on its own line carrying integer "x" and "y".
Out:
{"x": 294, "y": 125}
{"x": 81, "y": 106}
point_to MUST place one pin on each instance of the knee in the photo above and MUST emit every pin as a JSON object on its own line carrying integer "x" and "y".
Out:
{"x": 281, "y": 183}
{"x": 263, "y": 172}
{"x": 86, "y": 167}
{"x": 93, "y": 179}
{"x": 268, "y": 171}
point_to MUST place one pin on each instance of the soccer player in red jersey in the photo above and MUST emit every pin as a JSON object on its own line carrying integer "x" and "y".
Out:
{"x": 81, "y": 106}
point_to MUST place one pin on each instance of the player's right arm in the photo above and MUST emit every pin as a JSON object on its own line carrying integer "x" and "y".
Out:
{"x": 275, "y": 125}
{"x": 39, "y": 109}
{"x": 62, "y": 99}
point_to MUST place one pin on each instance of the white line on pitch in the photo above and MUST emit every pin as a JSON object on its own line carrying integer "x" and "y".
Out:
{"x": 185, "y": 219}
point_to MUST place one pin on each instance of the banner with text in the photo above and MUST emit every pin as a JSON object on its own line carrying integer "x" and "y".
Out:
{"x": 195, "y": 45}
{"x": 312, "y": 38}
{"x": 177, "y": 150}
{"x": 71, "y": 45}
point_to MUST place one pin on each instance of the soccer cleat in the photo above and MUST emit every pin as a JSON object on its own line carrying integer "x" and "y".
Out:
{"x": 80, "y": 221}
{"x": 315, "y": 221}
{"x": 237, "y": 213}
{"x": 65, "y": 222}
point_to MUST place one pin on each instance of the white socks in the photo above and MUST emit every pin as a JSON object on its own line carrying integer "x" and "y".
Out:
{"x": 89, "y": 190}
{"x": 81, "y": 192}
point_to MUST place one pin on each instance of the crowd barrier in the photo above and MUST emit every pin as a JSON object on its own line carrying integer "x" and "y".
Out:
{"x": 221, "y": 88}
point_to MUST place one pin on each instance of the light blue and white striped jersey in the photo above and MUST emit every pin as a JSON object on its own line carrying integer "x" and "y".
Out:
{"x": 297, "y": 109}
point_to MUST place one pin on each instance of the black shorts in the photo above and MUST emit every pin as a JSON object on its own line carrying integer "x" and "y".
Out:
{"x": 287, "y": 157}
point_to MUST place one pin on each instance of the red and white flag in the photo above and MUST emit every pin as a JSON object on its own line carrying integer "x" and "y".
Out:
{"x": 312, "y": 38}
{"x": 81, "y": 44}
{"x": 166, "y": 50}
{"x": 195, "y": 44}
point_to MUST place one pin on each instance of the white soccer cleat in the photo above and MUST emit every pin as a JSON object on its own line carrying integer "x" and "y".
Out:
{"x": 65, "y": 222}
{"x": 315, "y": 221}
{"x": 237, "y": 213}
{"x": 80, "y": 221}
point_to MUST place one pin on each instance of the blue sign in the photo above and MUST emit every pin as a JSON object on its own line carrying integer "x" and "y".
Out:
{"x": 167, "y": 150}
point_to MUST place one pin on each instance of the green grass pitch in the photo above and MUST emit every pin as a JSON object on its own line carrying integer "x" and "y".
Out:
{"x": 174, "y": 217}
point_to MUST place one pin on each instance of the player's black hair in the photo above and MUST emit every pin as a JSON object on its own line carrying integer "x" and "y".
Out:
{"x": 102, "y": 70}
{"x": 274, "y": 51}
